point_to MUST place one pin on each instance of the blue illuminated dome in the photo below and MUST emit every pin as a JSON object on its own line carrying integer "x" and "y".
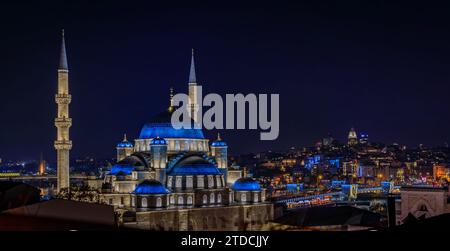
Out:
{"x": 121, "y": 169}
{"x": 194, "y": 165}
{"x": 246, "y": 184}
{"x": 124, "y": 144}
{"x": 158, "y": 141}
{"x": 150, "y": 187}
{"x": 219, "y": 143}
{"x": 161, "y": 126}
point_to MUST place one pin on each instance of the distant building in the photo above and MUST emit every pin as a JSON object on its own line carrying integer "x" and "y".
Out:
{"x": 352, "y": 138}
{"x": 364, "y": 138}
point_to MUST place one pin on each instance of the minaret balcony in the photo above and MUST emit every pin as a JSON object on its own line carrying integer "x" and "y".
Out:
{"x": 63, "y": 98}
{"x": 63, "y": 144}
{"x": 63, "y": 122}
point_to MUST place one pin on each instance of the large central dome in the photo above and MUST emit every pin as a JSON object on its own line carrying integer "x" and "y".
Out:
{"x": 161, "y": 126}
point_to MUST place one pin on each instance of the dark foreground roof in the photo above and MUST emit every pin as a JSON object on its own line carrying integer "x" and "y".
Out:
{"x": 59, "y": 215}
{"x": 436, "y": 223}
{"x": 325, "y": 216}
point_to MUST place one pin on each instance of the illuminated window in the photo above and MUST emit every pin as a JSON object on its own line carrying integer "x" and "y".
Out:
{"x": 189, "y": 181}
{"x": 144, "y": 202}
{"x": 205, "y": 199}
{"x": 178, "y": 182}
{"x": 219, "y": 198}
{"x": 244, "y": 197}
{"x": 158, "y": 202}
{"x": 172, "y": 200}
{"x": 212, "y": 198}
{"x": 255, "y": 197}
{"x": 133, "y": 201}
{"x": 189, "y": 200}
{"x": 180, "y": 200}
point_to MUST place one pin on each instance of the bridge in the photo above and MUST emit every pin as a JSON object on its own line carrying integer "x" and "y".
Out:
{"x": 43, "y": 177}
{"x": 345, "y": 196}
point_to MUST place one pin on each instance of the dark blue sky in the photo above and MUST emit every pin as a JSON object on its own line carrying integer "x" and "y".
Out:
{"x": 383, "y": 68}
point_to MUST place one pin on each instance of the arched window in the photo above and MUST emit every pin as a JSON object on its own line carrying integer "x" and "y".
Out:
{"x": 244, "y": 197}
{"x": 172, "y": 199}
{"x": 178, "y": 182}
{"x": 255, "y": 197}
{"x": 133, "y": 201}
{"x": 219, "y": 198}
{"x": 200, "y": 182}
{"x": 180, "y": 200}
{"x": 423, "y": 208}
{"x": 212, "y": 198}
{"x": 189, "y": 182}
{"x": 189, "y": 200}
{"x": 205, "y": 199}
{"x": 158, "y": 202}
{"x": 144, "y": 202}
{"x": 210, "y": 181}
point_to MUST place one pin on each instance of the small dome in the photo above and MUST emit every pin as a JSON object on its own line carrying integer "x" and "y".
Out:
{"x": 219, "y": 142}
{"x": 125, "y": 143}
{"x": 158, "y": 141}
{"x": 246, "y": 184}
{"x": 150, "y": 187}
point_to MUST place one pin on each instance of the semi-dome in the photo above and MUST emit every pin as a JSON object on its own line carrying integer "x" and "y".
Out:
{"x": 158, "y": 141}
{"x": 194, "y": 165}
{"x": 121, "y": 169}
{"x": 150, "y": 187}
{"x": 161, "y": 126}
{"x": 246, "y": 184}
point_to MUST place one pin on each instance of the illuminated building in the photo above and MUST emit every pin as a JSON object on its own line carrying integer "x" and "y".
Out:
{"x": 352, "y": 138}
{"x": 63, "y": 122}
{"x": 364, "y": 138}
{"x": 174, "y": 179}
{"x": 440, "y": 172}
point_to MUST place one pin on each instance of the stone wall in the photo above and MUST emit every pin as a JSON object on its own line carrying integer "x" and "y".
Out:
{"x": 226, "y": 218}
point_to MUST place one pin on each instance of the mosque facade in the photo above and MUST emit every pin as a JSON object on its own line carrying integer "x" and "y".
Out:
{"x": 176, "y": 179}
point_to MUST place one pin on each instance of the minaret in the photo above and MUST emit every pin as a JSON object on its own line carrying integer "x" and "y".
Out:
{"x": 193, "y": 90}
{"x": 63, "y": 122}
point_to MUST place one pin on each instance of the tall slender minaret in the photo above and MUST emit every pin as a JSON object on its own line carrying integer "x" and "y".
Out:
{"x": 193, "y": 90}
{"x": 63, "y": 144}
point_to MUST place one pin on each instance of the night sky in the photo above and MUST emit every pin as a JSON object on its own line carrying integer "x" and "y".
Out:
{"x": 383, "y": 68}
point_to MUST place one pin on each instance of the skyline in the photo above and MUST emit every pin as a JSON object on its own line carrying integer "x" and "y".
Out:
{"x": 356, "y": 81}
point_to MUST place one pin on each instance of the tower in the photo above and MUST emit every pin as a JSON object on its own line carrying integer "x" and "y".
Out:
{"x": 193, "y": 90}
{"x": 219, "y": 150}
{"x": 352, "y": 137}
{"x": 124, "y": 149}
{"x": 63, "y": 122}
{"x": 158, "y": 149}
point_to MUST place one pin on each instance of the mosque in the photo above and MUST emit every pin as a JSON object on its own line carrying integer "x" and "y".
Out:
{"x": 175, "y": 179}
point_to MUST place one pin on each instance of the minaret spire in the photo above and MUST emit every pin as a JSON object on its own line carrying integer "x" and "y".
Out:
{"x": 63, "y": 55}
{"x": 192, "y": 77}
